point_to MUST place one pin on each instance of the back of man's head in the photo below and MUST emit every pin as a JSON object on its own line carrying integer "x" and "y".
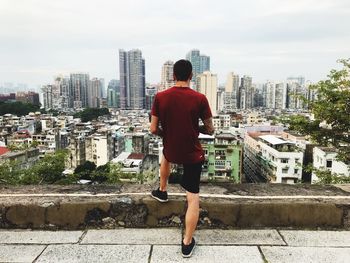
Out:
{"x": 182, "y": 70}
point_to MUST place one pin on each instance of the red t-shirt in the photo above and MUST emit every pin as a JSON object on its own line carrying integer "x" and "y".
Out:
{"x": 179, "y": 110}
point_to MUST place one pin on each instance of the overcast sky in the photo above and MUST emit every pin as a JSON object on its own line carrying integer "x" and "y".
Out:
{"x": 267, "y": 39}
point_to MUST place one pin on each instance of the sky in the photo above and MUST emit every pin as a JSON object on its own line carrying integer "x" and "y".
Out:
{"x": 266, "y": 39}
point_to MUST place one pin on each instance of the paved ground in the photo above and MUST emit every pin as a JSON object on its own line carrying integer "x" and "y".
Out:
{"x": 162, "y": 245}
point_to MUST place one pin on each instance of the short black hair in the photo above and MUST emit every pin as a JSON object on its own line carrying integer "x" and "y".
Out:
{"x": 182, "y": 70}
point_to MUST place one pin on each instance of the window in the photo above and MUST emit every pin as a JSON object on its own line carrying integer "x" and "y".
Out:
{"x": 329, "y": 164}
{"x": 285, "y": 170}
{"x": 284, "y": 160}
{"x": 219, "y": 162}
{"x": 296, "y": 171}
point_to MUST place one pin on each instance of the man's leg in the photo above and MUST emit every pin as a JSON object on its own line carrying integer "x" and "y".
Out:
{"x": 164, "y": 173}
{"x": 192, "y": 215}
{"x": 161, "y": 194}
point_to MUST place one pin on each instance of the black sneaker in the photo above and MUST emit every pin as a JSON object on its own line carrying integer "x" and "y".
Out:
{"x": 187, "y": 250}
{"x": 161, "y": 196}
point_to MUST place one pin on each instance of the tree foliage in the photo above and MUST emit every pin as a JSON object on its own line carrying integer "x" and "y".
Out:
{"x": 47, "y": 170}
{"x": 326, "y": 177}
{"x": 331, "y": 111}
{"x": 90, "y": 114}
{"x": 17, "y": 108}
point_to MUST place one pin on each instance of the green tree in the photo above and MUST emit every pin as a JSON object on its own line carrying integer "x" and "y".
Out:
{"x": 9, "y": 173}
{"x": 90, "y": 114}
{"x": 100, "y": 174}
{"x": 331, "y": 110}
{"x": 115, "y": 173}
{"x": 326, "y": 177}
{"x": 17, "y": 108}
{"x": 84, "y": 171}
{"x": 49, "y": 169}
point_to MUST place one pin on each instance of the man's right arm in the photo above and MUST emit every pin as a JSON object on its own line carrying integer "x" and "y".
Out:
{"x": 208, "y": 127}
{"x": 155, "y": 129}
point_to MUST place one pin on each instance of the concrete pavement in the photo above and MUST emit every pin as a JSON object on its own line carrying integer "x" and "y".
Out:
{"x": 162, "y": 245}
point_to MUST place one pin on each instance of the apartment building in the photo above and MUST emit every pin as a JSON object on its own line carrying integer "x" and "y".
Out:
{"x": 326, "y": 158}
{"x": 223, "y": 157}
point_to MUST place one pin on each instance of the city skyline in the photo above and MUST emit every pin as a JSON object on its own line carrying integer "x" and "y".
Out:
{"x": 263, "y": 39}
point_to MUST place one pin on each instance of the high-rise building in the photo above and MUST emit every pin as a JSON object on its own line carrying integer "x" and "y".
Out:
{"x": 79, "y": 89}
{"x": 299, "y": 79}
{"x": 293, "y": 100}
{"x": 28, "y": 97}
{"x": 95, "y": 93}
{"x": 270, "y": 94}
{"x": 231, "y": 92}
{"x": 132, "y": 79}
{"x": 47, "y": 96}
{"x": 204, "y": 64}
{"x": 65, "y": 100}
{"x": 150, "y": 94}
{"x": 220, "y": 99}
{"x": 280, "y": 96}
{"x": 113, "y": 94}
{"x": 207, "y": 84}
{"x": 200, "y": 63}
{"x": 103, "y": 93}
{"x": 246, "y": 94}
{"x": 167, "y": 78}
{"x": 275, "y": 95}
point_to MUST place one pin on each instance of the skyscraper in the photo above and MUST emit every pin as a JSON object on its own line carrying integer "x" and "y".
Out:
{"x": 113, "y": 94}
{"x": 246, "y": 93}
{"x": 293, "y": 100}
{"x": 132, "y": 79}
{"x": 231, "y": 92}
{"x": 204, "y": 64}
{"x": 150, "y": 94}
{"x": 200, "y": 63}
{"x": 167, "y": 78}
{"x": 47, "y": 96}
{"x": 28, "y": 97}
{"x": 65, "y": 100}
{"x": 95, "y": 92}
{"x": 299, "y": 79}
{"x": 79, "y": 89}
{"x": 207, "y": 84}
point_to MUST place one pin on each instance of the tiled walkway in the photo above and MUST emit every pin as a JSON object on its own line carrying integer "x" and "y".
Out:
{"x": 162, "y": 245}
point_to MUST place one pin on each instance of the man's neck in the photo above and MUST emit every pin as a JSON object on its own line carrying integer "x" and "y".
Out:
{"x": 182, "y": 84}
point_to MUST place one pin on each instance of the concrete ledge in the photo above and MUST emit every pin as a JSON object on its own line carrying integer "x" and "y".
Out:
{"x": 222, "y": 206}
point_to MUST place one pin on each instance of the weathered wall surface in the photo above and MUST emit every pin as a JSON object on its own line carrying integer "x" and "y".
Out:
{"x": 103, "y": 208}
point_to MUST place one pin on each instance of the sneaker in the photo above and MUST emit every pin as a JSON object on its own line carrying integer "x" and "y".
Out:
{"x": 161, "y": 196}
{"x": 187, "y": 250}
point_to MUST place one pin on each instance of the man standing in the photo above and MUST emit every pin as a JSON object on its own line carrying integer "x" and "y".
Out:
{"x": 178, "y": 110}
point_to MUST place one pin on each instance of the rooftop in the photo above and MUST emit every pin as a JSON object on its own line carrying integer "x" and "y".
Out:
{"x": 273, "y": 139}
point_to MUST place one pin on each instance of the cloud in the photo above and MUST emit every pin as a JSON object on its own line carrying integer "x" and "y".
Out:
{"x": 263, "y": 38}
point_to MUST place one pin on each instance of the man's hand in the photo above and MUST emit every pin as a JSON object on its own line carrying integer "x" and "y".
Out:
{"x": 208, "y": 127}
{"x": 155, "y": 129}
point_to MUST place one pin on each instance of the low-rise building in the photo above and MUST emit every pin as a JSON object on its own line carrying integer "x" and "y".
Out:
{"x": 131, "y": 163}
{"x": 325, "y": 158}
{"x": 76, "y": 152}
{"x": 281, "y": 159}
{"x": 223, "y": 157}
{"x": 99, "y": 148}
{"x": 222, "y": 122}
{"x": 24, "y": 159}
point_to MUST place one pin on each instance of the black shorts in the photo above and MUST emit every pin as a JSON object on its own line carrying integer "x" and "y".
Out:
{"x": 191, "y": 177}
